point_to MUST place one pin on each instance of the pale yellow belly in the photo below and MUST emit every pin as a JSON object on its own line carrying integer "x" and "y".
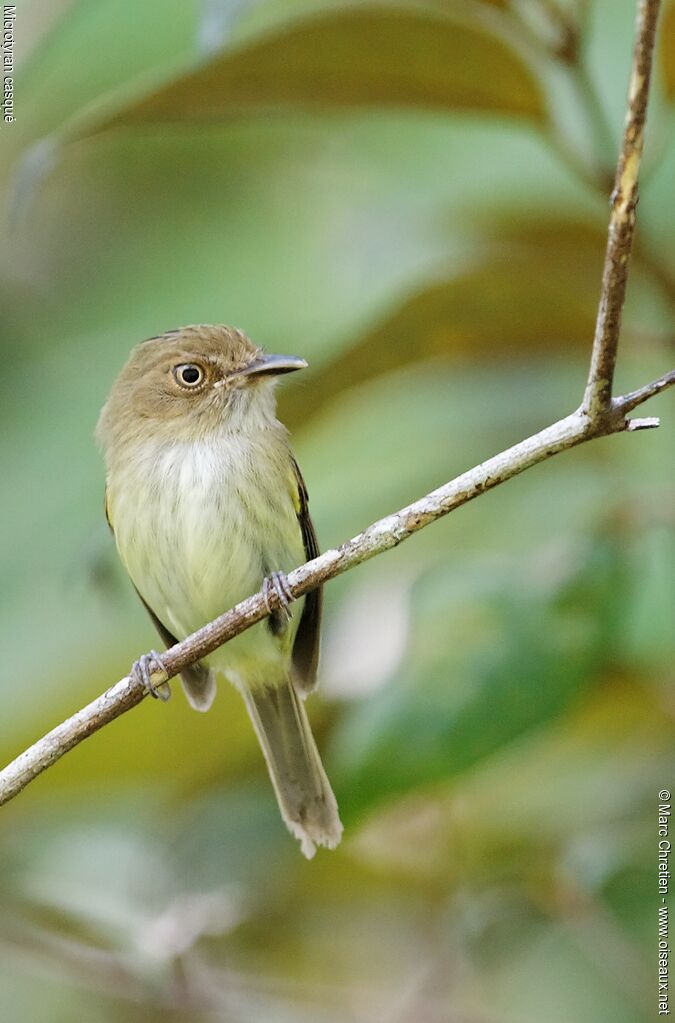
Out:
{"x": 198, "y": 528}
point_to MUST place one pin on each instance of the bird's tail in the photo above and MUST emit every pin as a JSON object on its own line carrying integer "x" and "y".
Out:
{"x": 303, "y": 791}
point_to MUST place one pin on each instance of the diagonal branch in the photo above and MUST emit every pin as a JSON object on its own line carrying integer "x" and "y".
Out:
{"x": 600, "y": 415}
{"x": 598, "y": 396}
{"x": 377, "y": 538}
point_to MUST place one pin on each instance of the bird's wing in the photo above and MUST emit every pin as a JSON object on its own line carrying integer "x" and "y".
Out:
{"x": 197, "y": 679}
{"x": 306, "y": 646}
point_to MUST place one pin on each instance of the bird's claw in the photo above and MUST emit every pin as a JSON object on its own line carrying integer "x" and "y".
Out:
{"x": 142, "y": 673}
{"x": 278, "y": 582}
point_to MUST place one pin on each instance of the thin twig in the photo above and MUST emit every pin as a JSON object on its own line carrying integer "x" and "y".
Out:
{"x": 598, "y": 396}
{"x": 600, "y": 415}
{"x": 631, "y": 400}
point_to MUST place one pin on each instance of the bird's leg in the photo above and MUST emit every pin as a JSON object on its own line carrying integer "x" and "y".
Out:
{"x": 142, "y": 673}
{"x": 278, "y": 582}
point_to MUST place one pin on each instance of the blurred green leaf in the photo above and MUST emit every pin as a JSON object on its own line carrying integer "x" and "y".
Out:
{"x": 487, "y": 662}
{"x": 357, "y": 57}
{"x": 648, "y": 637}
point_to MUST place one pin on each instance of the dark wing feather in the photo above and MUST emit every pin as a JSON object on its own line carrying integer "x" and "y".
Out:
{"x": 306, "y": 647}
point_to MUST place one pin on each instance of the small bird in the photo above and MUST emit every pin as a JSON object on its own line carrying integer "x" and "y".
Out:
{"x": 207, "y": 504}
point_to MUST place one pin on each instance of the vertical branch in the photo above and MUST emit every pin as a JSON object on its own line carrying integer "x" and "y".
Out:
{"x": 598, "y": 396}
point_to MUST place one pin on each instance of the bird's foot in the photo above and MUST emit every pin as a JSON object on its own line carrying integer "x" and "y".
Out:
{"x": 278, "y": 582}
{"x": 142, "y": 672}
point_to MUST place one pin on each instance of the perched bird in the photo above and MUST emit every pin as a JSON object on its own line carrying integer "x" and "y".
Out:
{"x": 207, "y": 504}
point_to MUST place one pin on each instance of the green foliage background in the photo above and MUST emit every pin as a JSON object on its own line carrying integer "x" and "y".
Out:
{"x": 413, "y": 196}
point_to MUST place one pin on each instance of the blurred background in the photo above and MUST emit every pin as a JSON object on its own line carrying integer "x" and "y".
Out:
{"x": 414, "y": 197}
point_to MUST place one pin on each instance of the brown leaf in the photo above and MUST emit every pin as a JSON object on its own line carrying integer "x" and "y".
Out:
{"x": 535, "y": 290}
{"x": 357, "y": 57}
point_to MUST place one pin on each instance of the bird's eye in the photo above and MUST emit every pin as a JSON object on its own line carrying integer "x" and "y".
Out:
{"x": 188, "y": 375}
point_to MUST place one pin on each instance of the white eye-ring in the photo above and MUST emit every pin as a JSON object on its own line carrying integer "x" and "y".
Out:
{"x": 188, "y": 375}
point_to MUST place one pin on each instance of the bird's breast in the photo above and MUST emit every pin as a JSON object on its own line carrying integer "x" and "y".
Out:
{"x": 199, "y": 524}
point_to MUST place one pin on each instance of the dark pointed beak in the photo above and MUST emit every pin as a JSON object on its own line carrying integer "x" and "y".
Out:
{"x": 271, "y": 365}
